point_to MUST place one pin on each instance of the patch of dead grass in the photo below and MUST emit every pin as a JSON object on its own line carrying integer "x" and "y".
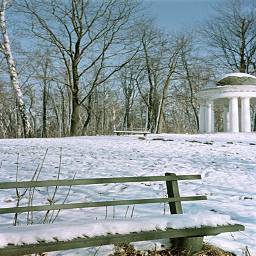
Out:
{"x": 208, "y": 250}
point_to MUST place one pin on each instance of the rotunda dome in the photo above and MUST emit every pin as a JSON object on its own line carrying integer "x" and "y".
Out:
{"x": 236, "y": 79}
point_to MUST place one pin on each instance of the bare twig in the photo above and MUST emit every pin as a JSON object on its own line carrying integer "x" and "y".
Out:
{"x": 65, "y": 199}
{"x": 32, "y": 190}
{"x": 51, "y": 200}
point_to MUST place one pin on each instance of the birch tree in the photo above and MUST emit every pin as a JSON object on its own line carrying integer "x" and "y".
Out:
{"x": 6, "y": 50}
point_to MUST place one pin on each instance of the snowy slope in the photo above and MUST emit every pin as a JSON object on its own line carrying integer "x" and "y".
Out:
{"x": 227, "y": 163}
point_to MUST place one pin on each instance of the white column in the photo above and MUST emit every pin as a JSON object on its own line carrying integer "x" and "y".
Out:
{"x": 202, "y": 121}
{"x": 233, "y": 115}
{"x": 226, "y": 119}
{"x": 239, "y": 117}
{"x": 213, "y": 118}
{"x": 245, "y": 115}
{"x": 209, "y": 117}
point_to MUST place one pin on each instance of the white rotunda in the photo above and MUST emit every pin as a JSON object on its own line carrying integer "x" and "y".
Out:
{"x": 233, "y": 93}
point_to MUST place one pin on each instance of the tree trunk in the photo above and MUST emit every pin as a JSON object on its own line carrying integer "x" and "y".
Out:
{"x": 18, "y": 124}
{"x": 149, "y": 113}
{"x": 254, "y": 125}
{"x": 190, "y": 84}
{"x": 44, "y": 130}
{"x": 242, "y": 62}
{"x": 6, "y": 48}
{"x": 63, "y": 113}
{"x": 75, "y": 116}
{"x": 127, "y": 120}
{"x": 114, "y": 118}
{"x": 158, "y": 128}
{"x": 89, "y": 115}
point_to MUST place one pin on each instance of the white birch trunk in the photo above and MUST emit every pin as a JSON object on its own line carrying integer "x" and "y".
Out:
{"x": 6, "y": 48}
{"x": 114, "y": 118}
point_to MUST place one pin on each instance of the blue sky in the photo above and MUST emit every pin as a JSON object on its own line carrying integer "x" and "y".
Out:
{"x": 176, "y": 15}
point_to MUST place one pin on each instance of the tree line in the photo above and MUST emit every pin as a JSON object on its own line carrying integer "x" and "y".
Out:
{"x": 83, "y": 67}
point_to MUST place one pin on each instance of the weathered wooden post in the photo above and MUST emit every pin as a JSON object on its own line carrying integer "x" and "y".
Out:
{"x": 191, "y": 245}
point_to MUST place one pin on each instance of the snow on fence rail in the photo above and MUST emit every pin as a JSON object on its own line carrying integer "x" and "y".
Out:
{"x": 23, "y": 240}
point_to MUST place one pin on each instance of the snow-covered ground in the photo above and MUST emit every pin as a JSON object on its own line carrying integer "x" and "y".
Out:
{"x": 227, "y": 163}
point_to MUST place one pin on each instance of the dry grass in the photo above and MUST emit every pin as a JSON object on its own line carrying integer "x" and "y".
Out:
{"x": 208, "y": 250}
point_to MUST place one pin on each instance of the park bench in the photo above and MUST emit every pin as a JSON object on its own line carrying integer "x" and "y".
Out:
{"x": 189, "y": 237}
{"x": 133, "y": 132}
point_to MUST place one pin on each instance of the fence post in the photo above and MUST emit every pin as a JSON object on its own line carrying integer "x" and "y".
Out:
{"x": 189, "y": 245}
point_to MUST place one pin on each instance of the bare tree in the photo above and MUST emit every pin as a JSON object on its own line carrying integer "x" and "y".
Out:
{"x": 190, "y": 76}
{"x": 44, "y": 74}
{"x": 6, "y": 50}
{"x": 160, "y": 58}
{"x": 88, "y": 37}
{"x": 231, "y": 34}
{"x": 128, "y": 77}
{"x": 89, "y": 68}
{"x": 172, "y": 61}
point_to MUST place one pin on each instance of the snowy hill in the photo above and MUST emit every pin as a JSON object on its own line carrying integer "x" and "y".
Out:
{"x": 227, "y": 163}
